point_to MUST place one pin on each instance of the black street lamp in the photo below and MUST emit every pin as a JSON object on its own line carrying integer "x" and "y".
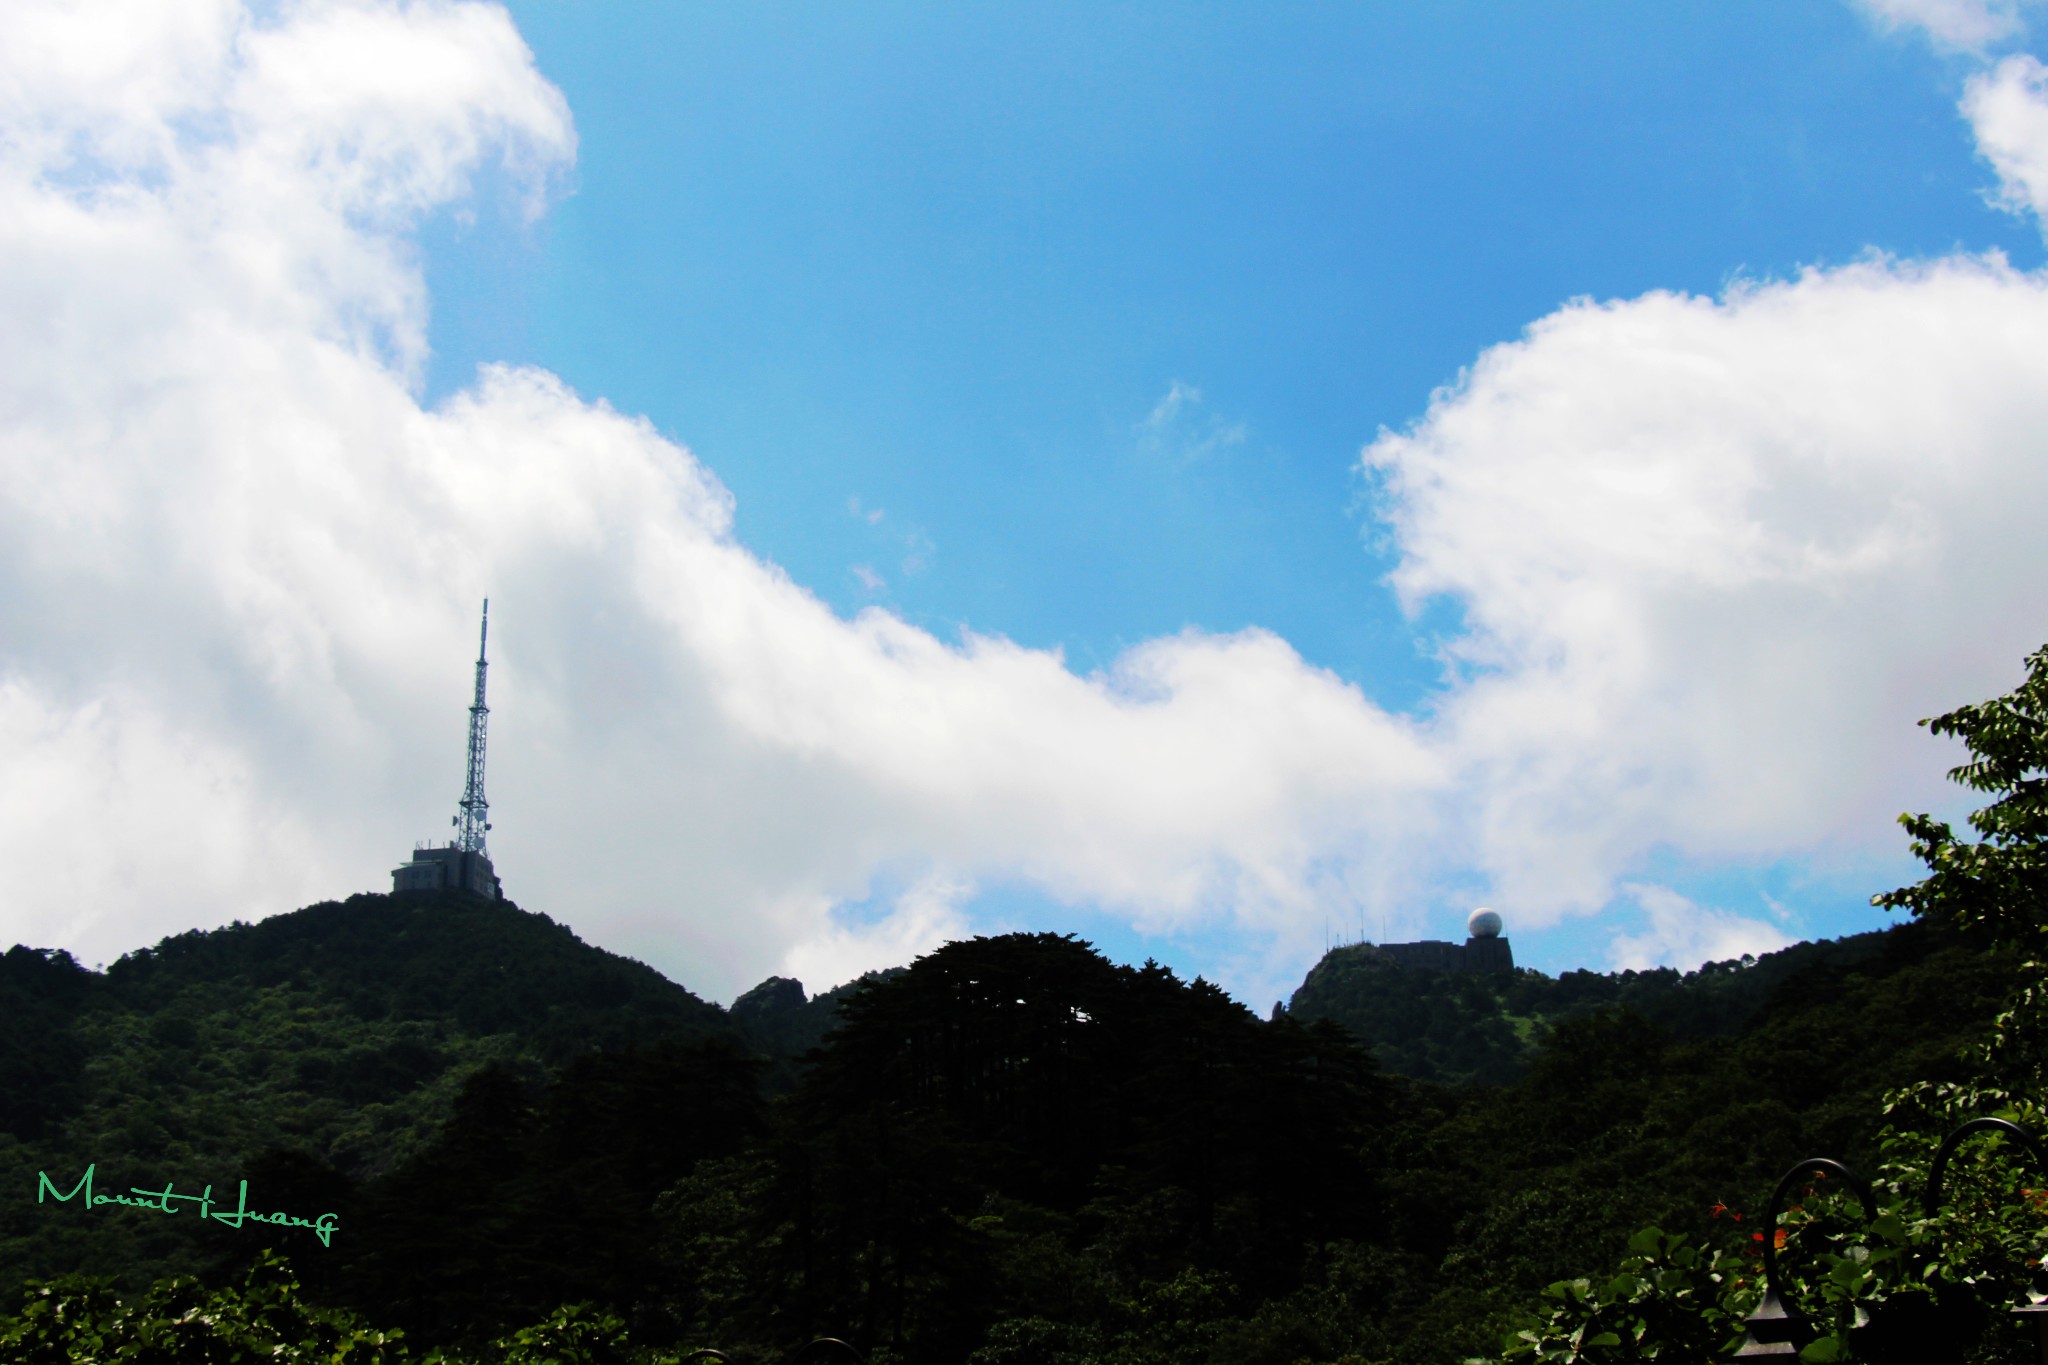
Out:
{"x": 2035, "y": 1304}
{"x": 1777, "y": 1329}
{"x": 1905, "y": 1329}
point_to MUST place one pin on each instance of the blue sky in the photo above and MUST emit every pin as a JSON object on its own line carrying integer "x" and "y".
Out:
{"x": 946, "y": 265}
{"x": 1208, "y": 477}
{"x": 1069, "y": 324}
{"x": 949, "y": 264}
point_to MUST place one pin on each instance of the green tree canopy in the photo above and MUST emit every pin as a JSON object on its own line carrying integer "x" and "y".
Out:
{"x": 2000, "y": 882}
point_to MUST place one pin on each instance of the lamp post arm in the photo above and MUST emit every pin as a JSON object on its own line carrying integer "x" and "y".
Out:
{"x": 1930, "y": 1201}
{"x": 1787, "y": 1183}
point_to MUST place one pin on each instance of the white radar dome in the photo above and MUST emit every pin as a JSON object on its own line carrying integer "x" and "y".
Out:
{"x": 1484, "y": 923}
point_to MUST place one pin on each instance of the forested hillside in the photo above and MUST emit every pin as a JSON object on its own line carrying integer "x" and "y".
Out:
{"x": 996, "y": 1164}
{"x": 1013, "y": 1152}
{"x": 1459, "y": 1027}
{"x": 784, "y": 1024}
{"x": 322, "y": 1046}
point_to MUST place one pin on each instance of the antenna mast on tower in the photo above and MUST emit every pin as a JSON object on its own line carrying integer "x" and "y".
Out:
{"x": 475, "y": 817}
{"x": 463, "y": 864}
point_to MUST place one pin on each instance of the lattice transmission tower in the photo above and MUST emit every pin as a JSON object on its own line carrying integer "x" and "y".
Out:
{"x": 474, "y": 820}
{"x": 463, "y": 864}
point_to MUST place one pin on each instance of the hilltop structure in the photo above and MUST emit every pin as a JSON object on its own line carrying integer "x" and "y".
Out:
{"x": 1485, "y": 950}
{"x": 462, "y": 864}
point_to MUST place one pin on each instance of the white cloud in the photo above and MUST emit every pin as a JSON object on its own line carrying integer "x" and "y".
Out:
{"x": 1177, "y": 427}
{"x": 1684, "y": 935}
{"x": 239, "y": 566}
{"x": 115, "y": 822}
{"x": 2008, "y": 110}
{"x": 1716, "y": 556}
{"x": 1965, "y": 25}
{"x": 928, "y": 914}
{"x": 1178, "y": 397}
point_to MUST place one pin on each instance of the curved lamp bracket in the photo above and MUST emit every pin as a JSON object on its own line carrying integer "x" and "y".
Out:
{"x": 1931, "y": 1199}
{"x": 827, "y": 1345}
{"x": 1775, "y": 1329}
{"x": 1791, "y": 1181}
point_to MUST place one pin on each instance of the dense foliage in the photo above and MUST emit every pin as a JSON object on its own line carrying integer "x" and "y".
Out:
{"x": 79, "y": 1320}
{"x": 1017, "y": 1128}
{"x": 1018, "y": 1152}
{"x": 307, "y": 1053}
{"x": 1486, "y": 1028}
{"x": 1932, "y": 1270}
{"x": 2001, "y": 881}
{"x": 784, "y": 1024}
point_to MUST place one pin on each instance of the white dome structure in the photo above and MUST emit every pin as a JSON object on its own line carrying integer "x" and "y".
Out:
{"x": 1486, "y": 951}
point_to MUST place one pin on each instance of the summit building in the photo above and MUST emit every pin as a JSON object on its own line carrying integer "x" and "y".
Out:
{"x": 1484, "y": 950}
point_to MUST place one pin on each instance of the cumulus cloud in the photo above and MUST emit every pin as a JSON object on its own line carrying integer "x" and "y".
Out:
{"x": 1966, "y": 25}
{"x": 210, "y": 316}
{"x": 1683, "y": 935}
{"x": 2008, "y": 110}
{"x": 241, "y": 565}
{"x": 930, "y": 911}
{"x": 1716, "y": 555}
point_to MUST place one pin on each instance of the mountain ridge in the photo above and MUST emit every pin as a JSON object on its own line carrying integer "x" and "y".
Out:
{"x": 978, "y": 1138}
{"x": 1465, "y": 1028}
